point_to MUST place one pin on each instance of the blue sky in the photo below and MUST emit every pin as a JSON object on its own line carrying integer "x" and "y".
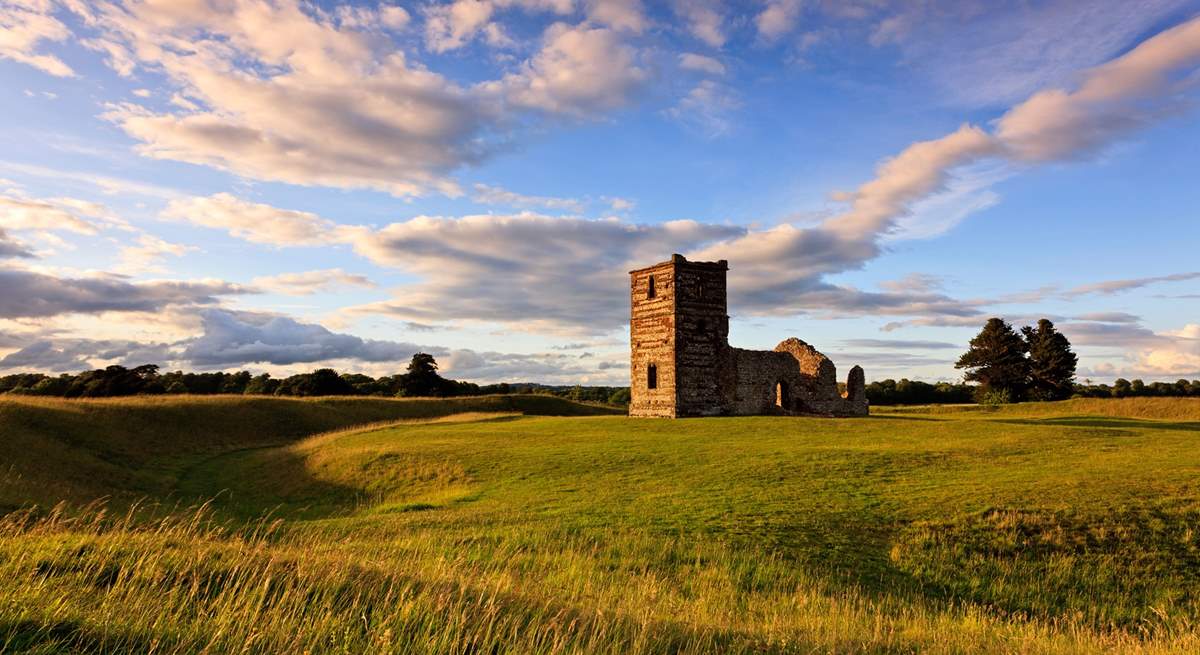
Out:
{"x": 277, "y": 185}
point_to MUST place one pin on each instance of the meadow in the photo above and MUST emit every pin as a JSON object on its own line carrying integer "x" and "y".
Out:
{"x": 522, "y": 524}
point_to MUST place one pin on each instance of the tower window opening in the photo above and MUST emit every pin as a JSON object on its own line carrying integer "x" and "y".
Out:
{"x": 650, "y": 293}
{"x": 652, "y": 377}
{"x": 781, "y": 395}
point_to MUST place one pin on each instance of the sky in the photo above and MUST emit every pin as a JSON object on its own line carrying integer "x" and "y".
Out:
{"x": 277, "y": 185}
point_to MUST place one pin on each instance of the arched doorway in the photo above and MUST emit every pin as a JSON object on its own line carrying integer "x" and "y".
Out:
{"x": 782, "y": 398}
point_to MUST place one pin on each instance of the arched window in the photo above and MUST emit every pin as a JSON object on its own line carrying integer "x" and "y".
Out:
{"x": 652, "y": 377}
{"x": 650, "y": 293}
{"x": 781, "y": 395}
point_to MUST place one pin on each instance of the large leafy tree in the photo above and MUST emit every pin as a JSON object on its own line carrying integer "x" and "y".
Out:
{"x": 422, "y": 378}
{"x": 1051, "y": 362}
{"x": 996, "y": 360}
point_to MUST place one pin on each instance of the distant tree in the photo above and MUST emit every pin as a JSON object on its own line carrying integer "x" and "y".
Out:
{"x": 1051, "y": 362}
{"x": 1121, "y": 388}
{"x": 24, "y": 382}
{"x": 916, "y": 392}
{"x": 321, "y": 382}
{"x": 364, "y": 385}
{"x": 52, "y": 386}
{"x": 236, "y": 383}
{"x": 1137, "y": 388}
{"x": 422, "y": 377}
{"x": 996, "y": 360}
{"x": 261, "y": 384}
{"x": 176, "y": 387}
{"x": 619, "y": 397}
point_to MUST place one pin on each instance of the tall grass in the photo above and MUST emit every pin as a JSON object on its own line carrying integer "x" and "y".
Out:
{"x": 189, "y": 584}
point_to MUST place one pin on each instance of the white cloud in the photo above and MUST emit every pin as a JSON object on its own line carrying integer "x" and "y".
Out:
{"x": 1180, "y": 357}
{"x": 12, "y": 248}
{"x": 254, "y": 222}
{"x": 777, "y": 19}
{"x": 1109, "y": 287}
{"x": 62, "y": 355}
{"x": 454, "y": 24}
{"x": 236, "y": 338}
{"x": 107, "y": 185}
{"x": 493, "y": 195}
{"x": 707, "y": 107}
{"x": 1145, "y": 353}
{"x": 394, "y": 17}
{"x": 620, "y": 204}
{"x": 359, "y": 115}
{"x": 309, "y": 282}
{"x": 704, "y": 20}
{"x": 579, "y": 71}
{"x": 527, "y": 269}
{"x": 148, "y": 254}
{"x": 1004, "y": 51}
{"x": 1128, "y": 92}
{"x": 967, "y": 193}
{"x": 20, "y": 213}
{"x": 30, "y": 294}
{"x": 919, "y": 171}
{"x": 695, "y": 62}
{"x": 386, "y": 17}
{"x": 24, "y": 25}
{"x": 621, "y": 15}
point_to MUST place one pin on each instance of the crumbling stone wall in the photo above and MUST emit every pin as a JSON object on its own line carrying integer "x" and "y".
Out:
{"x": 680, "y": 326}
{"x": 794, "y": 378}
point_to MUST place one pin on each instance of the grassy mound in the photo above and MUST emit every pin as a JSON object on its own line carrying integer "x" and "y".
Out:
{"x": 53, "y": 449}
{"x": 966, "y": 531}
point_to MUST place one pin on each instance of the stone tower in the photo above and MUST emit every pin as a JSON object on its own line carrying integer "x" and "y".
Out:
{"x": 679, "y": 329}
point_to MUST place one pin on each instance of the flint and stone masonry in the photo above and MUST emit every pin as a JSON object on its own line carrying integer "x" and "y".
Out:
{"x": 681, "y": 362}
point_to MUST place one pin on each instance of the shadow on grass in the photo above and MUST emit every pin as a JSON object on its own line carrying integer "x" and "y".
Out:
{"x": 64, "y": 636}
{"x": 902, "y": 417}
{"x": 1107, "y": 422}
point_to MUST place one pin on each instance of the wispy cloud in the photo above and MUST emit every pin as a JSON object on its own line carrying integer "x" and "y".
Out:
{"x": 307, "y": 283}
{"x": 494, "y": 195}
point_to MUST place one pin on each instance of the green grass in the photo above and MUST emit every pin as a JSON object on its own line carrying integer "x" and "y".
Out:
{"x": 1068, "y": 528}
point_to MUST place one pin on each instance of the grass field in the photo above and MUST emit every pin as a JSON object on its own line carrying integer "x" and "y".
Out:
{"x": 473, "y": 526}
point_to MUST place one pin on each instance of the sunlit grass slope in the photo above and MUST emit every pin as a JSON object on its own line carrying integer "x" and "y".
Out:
{"x": 1063, "y": 528}
{"x": 53, "y": 449}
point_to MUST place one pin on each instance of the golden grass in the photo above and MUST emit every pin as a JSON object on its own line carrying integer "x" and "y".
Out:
{"x": 188, "y": 584}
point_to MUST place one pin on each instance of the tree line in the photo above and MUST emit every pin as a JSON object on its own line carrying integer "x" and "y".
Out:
{"x": 420, "y": 379}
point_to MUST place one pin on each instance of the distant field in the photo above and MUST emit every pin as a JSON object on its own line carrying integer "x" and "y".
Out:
{"x": 1064, "y": 528}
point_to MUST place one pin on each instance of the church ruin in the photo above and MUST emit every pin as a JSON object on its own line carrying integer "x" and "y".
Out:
{"x": 681, "y": 363}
